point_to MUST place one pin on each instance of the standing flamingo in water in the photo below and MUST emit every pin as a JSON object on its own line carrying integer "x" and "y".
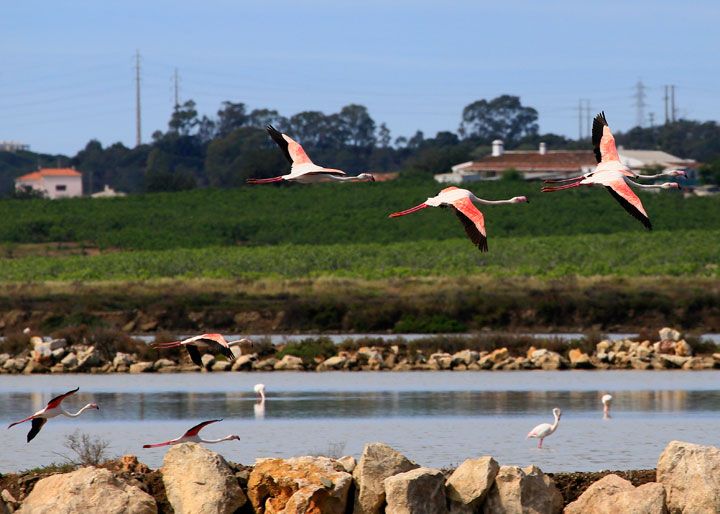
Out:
{"x": 606, "y": 401}
{"x": 544, "y": 430}
{"x": 192, "y": 344}
{"x": 461, "y": 201}
{"x": 259, "y": 407}
{"x": 193, "y": 436}
{"x": 54, "y": 408}
{"x": 614, "y": 175}
{"x": 302, "y": 169}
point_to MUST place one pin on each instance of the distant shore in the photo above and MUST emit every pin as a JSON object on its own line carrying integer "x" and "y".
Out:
{"x": 115, "y": 352}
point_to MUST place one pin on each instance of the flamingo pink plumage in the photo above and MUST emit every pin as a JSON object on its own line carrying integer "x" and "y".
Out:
{"x": 614, "y": 175}
{"x": 303, "y": 170}
{"x": 192, "y": 345}
{"x": 53, "y": 408}
{"x": 544, "y": 430}
{"x": 193, "y": 436}
{"x": 461, "y": 201}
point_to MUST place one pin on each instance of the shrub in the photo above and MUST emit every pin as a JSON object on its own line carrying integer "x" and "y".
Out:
{"x": 309, "y": 349}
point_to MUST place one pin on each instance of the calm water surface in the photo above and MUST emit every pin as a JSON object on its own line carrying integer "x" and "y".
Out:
{"x": 435, "y": 418}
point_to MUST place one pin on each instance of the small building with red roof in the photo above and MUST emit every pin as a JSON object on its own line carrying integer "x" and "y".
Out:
{"x": 52, "y": 182}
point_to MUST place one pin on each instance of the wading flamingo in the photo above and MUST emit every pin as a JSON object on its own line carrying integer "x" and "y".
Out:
{"x": 544, "y": 430}
{"x": 607, "y": 402}
{"x": 461, "y": 201}
{"x": 54, "y": 408}
{"x": 192, "y": 436}
{"x": 192, "y": 344}
{"x": 259, "y": 407}
{"x": 614, "y": 175}
{"x": 303, "y": 170}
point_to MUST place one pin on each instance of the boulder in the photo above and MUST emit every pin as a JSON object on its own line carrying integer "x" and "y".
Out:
{"x": 5, "y": 356}
{"x": 683, "y": 348}
{"x": 122, "y": 359}
{"x": 471, "y": 481}
{"x": 522, "y": 491}
{"x": 221, "y": 366}
{"x": 466, "y": 357}
{"x": 419, "y": 491}
{"x": 299, "y": 485}
{"x": 442, "y": 360}
{"x": 690, "y": 474}
{"x": 265, "y": 364}
{"x": 70, "y": 360}
{"x": 289, "y": 363}
{"x": 141, "y": 367}
{"x": 15, "y": 365}
{"x": 378, "y": 462}
{"x": 547, "y": 360}
{"x": 348, "y": 463}
{"x": 35, "y": 367}
{"x": 579, "y": 359}
{"x": 669, "y": 334}
{"x": 244, "y": 362}
{"x": 612, "y": 494}
{"x": 163, "y": 363}
{"x": 335, "y": 362}
{"x": 673, "y": 361}
{"x": 88, "y": 359}
{"x": 207, "y": 360}
{"x": 199, "y": 481}
{"x": 87, "y": 490}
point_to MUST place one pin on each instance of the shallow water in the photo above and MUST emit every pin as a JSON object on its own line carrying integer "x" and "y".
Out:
{"x": 435, "y": 418}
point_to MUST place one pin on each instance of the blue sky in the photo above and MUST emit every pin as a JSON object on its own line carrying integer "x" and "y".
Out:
{"x": 67, "y": 67}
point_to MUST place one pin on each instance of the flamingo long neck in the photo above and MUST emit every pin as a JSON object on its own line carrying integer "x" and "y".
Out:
{"x": 75, "y": 415}
{"x": 645, "y": 186}
{"x": 554, "y": 426}
{"x": 213, "y": 441}
{"x": 665, "y": 173}
{"x": 489, "y": 202}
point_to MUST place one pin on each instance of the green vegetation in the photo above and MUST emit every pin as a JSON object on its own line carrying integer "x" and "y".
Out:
{"x": 309, "y": 349}
{"x": 621, "y": 254}
{"x": 333, "y": 214}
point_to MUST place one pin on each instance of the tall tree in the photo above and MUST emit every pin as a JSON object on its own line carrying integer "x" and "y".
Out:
{"x": 259, "y": 118}
{"x": 184, "y": 118}
{"x": 357, "y": 125}
{"x": 232, "y": 116}
{"x": 383, "y": 135}
{"x": 503, "y": 117}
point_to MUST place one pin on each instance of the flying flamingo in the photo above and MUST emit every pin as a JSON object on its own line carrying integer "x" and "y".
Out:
{"x": 192, "y": 345}
{"x": 607, "y": 402}
{"x": 192, "y": 436}
{"x": 54, "y": 408}
{"x": 461, "y": 201}
{"x": 614, "y": 175}
{"x": 303, "y": 170}
{"x": 544, "y": 430}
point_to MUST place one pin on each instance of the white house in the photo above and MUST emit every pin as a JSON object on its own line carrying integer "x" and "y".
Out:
{"x": 542, "y": 163}
{"x": 53, "y": 182}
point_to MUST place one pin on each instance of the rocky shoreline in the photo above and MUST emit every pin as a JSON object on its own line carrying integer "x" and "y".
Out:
{"x": 111, "y": 353}
{"x": 195, "y": 480}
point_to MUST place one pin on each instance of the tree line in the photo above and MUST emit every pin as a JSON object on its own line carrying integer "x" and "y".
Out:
{"x": 222, "y": 151}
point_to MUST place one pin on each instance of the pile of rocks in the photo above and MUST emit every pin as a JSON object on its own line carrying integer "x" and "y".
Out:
{"x": 670, "y": 351}
{"x": 197, "y": 480}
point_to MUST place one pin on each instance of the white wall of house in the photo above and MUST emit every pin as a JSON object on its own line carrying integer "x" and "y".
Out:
{"x": 54, "y": 186}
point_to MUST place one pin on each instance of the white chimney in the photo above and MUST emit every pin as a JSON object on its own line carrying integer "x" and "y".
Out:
{"x": 543, "y": 149}
{"x": 498, "y": 148}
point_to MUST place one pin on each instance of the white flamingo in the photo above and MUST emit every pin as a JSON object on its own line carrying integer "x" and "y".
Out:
{"x": 302, "y": 169}
{"x": 614, "y": 175}
{"x": 544, "y": 430}
{"x": 259, "y": 407}
{"x": 192, "y": 344}
{"x": 193, "y": 436}
{"x": 607, "y": 402}
{"x": 53, "y": 408}
{"x": 461, "y": 201}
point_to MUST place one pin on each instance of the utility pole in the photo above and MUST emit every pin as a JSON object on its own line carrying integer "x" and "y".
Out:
{"x": 588, "y": 117}
{"x": 665, "y": 99}
{"x": 651, "y": 117}
{"x": 176, "y": 87}
{"x": 640, "y": 103}
{"x": 138, "y": 123}
{"x": 580, "y": 120}
{"x": 673, "y": 109}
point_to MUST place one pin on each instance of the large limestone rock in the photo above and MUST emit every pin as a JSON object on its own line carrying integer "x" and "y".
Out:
{"x": 301, "y": 485}
{"x": 690, "y": 474}
{"x": 470, "y": 482}
{"x": 88, "y": 490}
{"x": 612, "y": 494}
{"x": 669, "y": 334}
{"x": 420, "y": 491}
{"x": 199, "y": 481}
{"x": 378, "y": 462}
{"x": 523, "y": 491}
{"x": 289, "y": 363}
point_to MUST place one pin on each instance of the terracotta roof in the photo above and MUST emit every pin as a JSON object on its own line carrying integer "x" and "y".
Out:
{"x": 553, "y": 160}
{"x": 49, "y": 172}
